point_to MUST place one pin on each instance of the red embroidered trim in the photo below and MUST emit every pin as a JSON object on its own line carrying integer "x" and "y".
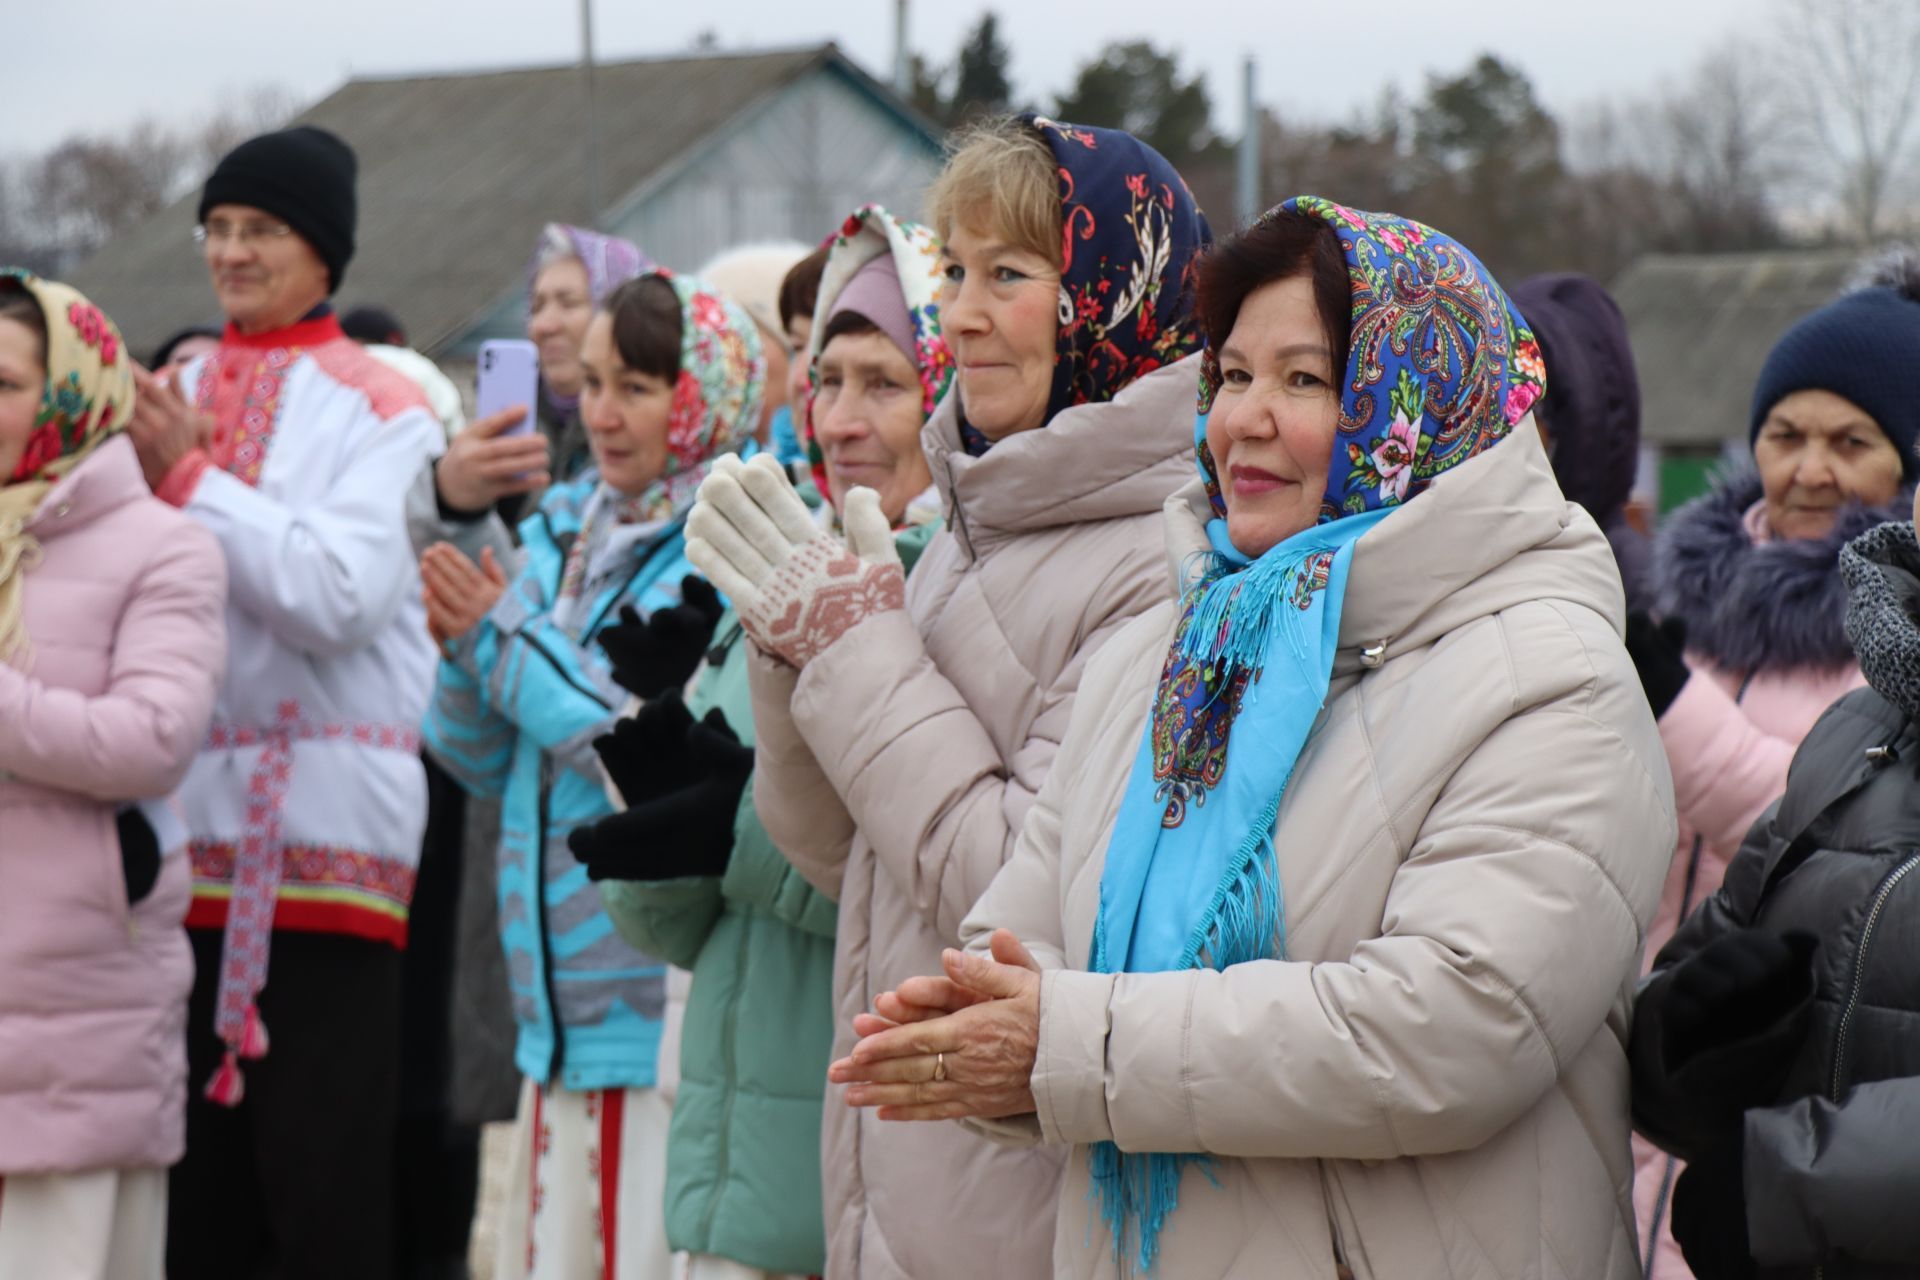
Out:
{"x": 302, "y": 333}
{"x": 314, "y": 867}
{"x": 241, "y": 391}
{"x": 389, "y": 392}
{"x": 384, "y": 737}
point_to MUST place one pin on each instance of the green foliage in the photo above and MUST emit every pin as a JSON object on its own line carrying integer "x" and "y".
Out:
{"x": 1135, "y": 87}
{"x": 981, "y": 86}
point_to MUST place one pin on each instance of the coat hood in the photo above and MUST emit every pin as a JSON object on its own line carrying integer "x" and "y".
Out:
{"x": 1592, "y": 404}
{"x": 1752, "y": 608}
{"x": 1099, "y": 461}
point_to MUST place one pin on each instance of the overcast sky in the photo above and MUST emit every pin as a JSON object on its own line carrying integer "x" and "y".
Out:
{"x": 99, "y": 65}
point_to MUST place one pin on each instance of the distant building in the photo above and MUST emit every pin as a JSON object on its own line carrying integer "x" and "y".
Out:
{"x": 1701, "y": 326}
{"x": 458, "y": 173}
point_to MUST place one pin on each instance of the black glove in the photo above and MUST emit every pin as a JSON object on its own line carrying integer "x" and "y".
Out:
{"x": 644, "y": 754}
{"x": 1710, "y": 1215}
{"x": 1734, "y": 990}
{"x": 139, "y": 853}
{"x": 687, "y": 831}
{"x": 660, "y": 653}
{"x": 1658, "y": 650}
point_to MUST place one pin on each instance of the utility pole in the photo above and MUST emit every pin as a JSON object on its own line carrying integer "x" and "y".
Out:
{"x": 902, "y": 78}
{"x": 1249, "y": 176}
{"x": 593, "y": 118}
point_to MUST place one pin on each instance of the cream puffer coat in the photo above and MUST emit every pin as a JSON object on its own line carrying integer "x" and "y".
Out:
{"x": 896, "y": 770}
{"x": 1434, "y": 1082}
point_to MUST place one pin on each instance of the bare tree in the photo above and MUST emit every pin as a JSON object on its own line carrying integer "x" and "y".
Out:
{"x": 87, "y": 189}
{"x": 1857, "y": 65}
{"x": 242, "y": 113}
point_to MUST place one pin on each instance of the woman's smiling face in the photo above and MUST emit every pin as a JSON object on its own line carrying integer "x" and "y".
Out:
{"x": 999, "y": 309}
{"x": 1273, "y": 421}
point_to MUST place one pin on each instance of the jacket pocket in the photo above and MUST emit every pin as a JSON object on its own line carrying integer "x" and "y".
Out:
{"x": 139, "y": 855}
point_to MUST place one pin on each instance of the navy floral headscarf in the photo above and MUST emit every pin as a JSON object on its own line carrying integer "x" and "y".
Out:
{"x": 1130, "y": 236}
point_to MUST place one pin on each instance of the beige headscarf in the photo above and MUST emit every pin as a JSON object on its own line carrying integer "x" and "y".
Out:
{"x": 89, "y": 396}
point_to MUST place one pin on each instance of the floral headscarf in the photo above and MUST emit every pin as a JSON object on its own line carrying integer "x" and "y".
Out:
{"x": 868, "y": 232}
{"x": 1436, "y": 334}
{"x": 89, "y": 396}
{"x": 609, "y": 260}
{"x": 716, "y": 406}
{"x": 1441, "y": 367}
{"x": 1130, "y": 234}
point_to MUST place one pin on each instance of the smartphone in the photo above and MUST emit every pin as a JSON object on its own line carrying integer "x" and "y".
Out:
{"x": 509, "y": 375}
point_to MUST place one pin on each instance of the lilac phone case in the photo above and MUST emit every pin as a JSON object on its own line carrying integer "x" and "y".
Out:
{"x": 509, "y": 374}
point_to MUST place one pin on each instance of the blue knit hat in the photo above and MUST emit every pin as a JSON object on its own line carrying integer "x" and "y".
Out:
{"x": 1864, "y": 347}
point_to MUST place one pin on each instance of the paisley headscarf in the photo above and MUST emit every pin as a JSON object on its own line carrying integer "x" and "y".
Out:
{"x": 1441, "y": 368}
{"x": 1130, "y": 236}
{"x": 868, "y": 232}
{"x": 716, "y": 406}
{"x": 610, "y": 263}
{"x": 88, "y": 396}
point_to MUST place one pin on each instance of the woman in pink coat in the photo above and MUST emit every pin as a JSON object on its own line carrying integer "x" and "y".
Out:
{"x": 1751, "y": 646}
{"x": 112, "y": 643}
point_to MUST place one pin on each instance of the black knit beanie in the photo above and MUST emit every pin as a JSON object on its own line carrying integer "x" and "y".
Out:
{"x": 1864, "y": 347}
{"x": 304, "y": 176}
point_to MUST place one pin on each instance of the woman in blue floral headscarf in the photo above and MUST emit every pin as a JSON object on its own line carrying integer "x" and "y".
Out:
{"x": 1337, "y": 885}
{"x": 903, "y": 726}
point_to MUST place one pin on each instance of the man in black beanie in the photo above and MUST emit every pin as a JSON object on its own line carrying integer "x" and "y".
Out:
{"x": 306, "y": 806}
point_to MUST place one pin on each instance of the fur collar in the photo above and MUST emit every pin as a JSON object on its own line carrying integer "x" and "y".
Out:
{"x": 1758, "y": 608}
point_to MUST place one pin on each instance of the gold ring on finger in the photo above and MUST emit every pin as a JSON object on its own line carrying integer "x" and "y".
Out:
{"x": 939, "y": 1066}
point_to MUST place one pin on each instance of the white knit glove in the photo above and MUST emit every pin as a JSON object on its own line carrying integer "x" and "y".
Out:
{"x": 796, "y": 587}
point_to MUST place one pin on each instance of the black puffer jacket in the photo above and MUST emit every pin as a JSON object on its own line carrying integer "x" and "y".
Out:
{"x": 1833, "y": 1168}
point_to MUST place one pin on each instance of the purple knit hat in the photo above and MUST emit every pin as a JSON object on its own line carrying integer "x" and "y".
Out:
{"x": 874, "y": 292}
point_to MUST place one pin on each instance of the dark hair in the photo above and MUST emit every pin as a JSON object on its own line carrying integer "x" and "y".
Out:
{"x": 1280, "y": 247}
{"x": 164, "y": 352}
{"x": 18, "y": 305}
{"x": 846, "y": 324}
{"x": 646, "y": 326}
{"x": 374, "y": 324}
{"x": 801, "y": 288}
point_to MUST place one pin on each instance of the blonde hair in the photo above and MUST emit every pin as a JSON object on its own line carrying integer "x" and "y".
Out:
{"x": 1001, "y": 180}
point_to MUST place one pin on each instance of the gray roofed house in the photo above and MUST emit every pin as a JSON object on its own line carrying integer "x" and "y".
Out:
{"x": 459, "y": 172}
{"x": 1701, "y": 327}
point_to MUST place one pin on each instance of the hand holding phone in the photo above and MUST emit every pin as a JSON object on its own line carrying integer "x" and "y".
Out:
{"x": 509, "y": 375}
{"x": 500, "y": 454}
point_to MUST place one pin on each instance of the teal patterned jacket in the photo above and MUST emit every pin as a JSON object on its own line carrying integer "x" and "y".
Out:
{"x": 515, "y": 711}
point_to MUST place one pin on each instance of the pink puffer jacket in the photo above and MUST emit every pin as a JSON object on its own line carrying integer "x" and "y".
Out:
{"x": 126, "y": 616}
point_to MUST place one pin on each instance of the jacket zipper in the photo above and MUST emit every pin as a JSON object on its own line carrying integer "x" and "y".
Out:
{"x": 556, "y": 1057}
{"x": 1842, "y": 1034}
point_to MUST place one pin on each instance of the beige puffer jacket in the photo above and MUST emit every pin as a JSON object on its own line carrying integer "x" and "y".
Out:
{"x": 1434, "y": 1084}
{"x": 896, "y": 771}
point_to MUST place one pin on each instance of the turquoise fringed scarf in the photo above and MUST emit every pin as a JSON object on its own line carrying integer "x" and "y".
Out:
{"x": 1191, "y": 875}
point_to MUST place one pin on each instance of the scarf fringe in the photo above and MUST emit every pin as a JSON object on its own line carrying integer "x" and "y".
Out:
{"x": 1245, "y": 921}
{"x": 1236, "y": 613}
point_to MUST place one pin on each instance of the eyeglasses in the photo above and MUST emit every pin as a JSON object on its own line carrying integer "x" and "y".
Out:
{"x": 215, "y": 233}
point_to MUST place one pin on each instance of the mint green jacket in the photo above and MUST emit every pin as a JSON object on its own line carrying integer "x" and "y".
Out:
{"x": 743, "y": 1153}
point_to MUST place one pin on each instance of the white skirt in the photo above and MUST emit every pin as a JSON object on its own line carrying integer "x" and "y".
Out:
{"x": 108, "y": 1224}
{"x": 586, "y": 1198}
